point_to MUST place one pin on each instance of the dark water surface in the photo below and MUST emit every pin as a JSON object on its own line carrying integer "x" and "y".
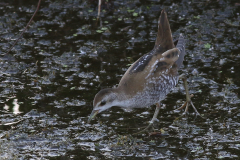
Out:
{"x": 49, "y": 79}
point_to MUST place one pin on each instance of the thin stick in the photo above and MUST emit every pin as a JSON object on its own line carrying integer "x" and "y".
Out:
{"x": 25, "y": 27}
{"x": 99, "y": 8}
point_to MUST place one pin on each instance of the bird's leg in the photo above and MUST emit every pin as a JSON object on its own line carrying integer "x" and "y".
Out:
{"x": 188, "y": 97}
{"x": 153, "y": 119}
{"x": 155, "y": 113}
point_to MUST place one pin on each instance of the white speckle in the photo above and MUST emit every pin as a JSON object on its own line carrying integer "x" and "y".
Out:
{"x": 195, "y": 72}
{"x": 222, "y": 61}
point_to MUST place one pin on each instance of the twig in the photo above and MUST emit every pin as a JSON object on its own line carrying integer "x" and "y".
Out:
{"x": 25, "y": 27}
{"x": 99, "y": 8}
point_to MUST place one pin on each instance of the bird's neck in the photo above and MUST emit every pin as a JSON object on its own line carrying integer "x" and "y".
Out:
{"x": 123, "y": 99}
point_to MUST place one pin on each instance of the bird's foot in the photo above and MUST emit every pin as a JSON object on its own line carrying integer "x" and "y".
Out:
{"x": 188, "y": 98}
{"x": 148, "y": 128}
{"x": 153, "y": 119}
{"x": 186, "y": 105}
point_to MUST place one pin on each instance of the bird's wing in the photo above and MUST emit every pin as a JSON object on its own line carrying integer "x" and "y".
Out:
{"x": 164, "y": 39}
{"x": 163, "y": 43}
{"x": 150, "y": 66}
{"x": 161, "y": 64}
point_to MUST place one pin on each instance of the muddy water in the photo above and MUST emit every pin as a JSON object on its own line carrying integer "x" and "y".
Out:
{"x": 49, "y": 79}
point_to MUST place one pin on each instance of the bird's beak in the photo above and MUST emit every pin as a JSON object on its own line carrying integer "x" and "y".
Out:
{"x": 93, "y": 114}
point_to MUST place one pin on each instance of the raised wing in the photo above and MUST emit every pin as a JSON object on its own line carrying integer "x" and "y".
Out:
{"x": 164, "y": 39}
{"x": 161, "y": 63}
{"x": 163, "y": 43}
{"x": 163, "y": 60}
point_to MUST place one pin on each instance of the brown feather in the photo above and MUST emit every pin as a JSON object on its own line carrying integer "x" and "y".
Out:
{"x": 157, "y": 65}
{"x": 133, "y": 81}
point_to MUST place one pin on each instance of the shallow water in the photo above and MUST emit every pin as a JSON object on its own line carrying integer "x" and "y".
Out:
{"x": 49, "y": 79}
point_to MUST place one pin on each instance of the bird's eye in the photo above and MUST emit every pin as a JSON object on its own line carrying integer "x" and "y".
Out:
{"x": 103, "y": 102}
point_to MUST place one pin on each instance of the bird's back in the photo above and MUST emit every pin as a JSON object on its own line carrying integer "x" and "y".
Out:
{"x": 154, "y": 74}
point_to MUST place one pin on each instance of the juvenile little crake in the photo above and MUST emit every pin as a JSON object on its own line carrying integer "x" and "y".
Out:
{"x": 150, "y": 78}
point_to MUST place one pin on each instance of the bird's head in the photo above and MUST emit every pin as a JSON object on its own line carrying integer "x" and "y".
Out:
{"x": 103, "y": 100}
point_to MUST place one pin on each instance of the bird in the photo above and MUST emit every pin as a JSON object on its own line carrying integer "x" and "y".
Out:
{"x": 149, "y": 79}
